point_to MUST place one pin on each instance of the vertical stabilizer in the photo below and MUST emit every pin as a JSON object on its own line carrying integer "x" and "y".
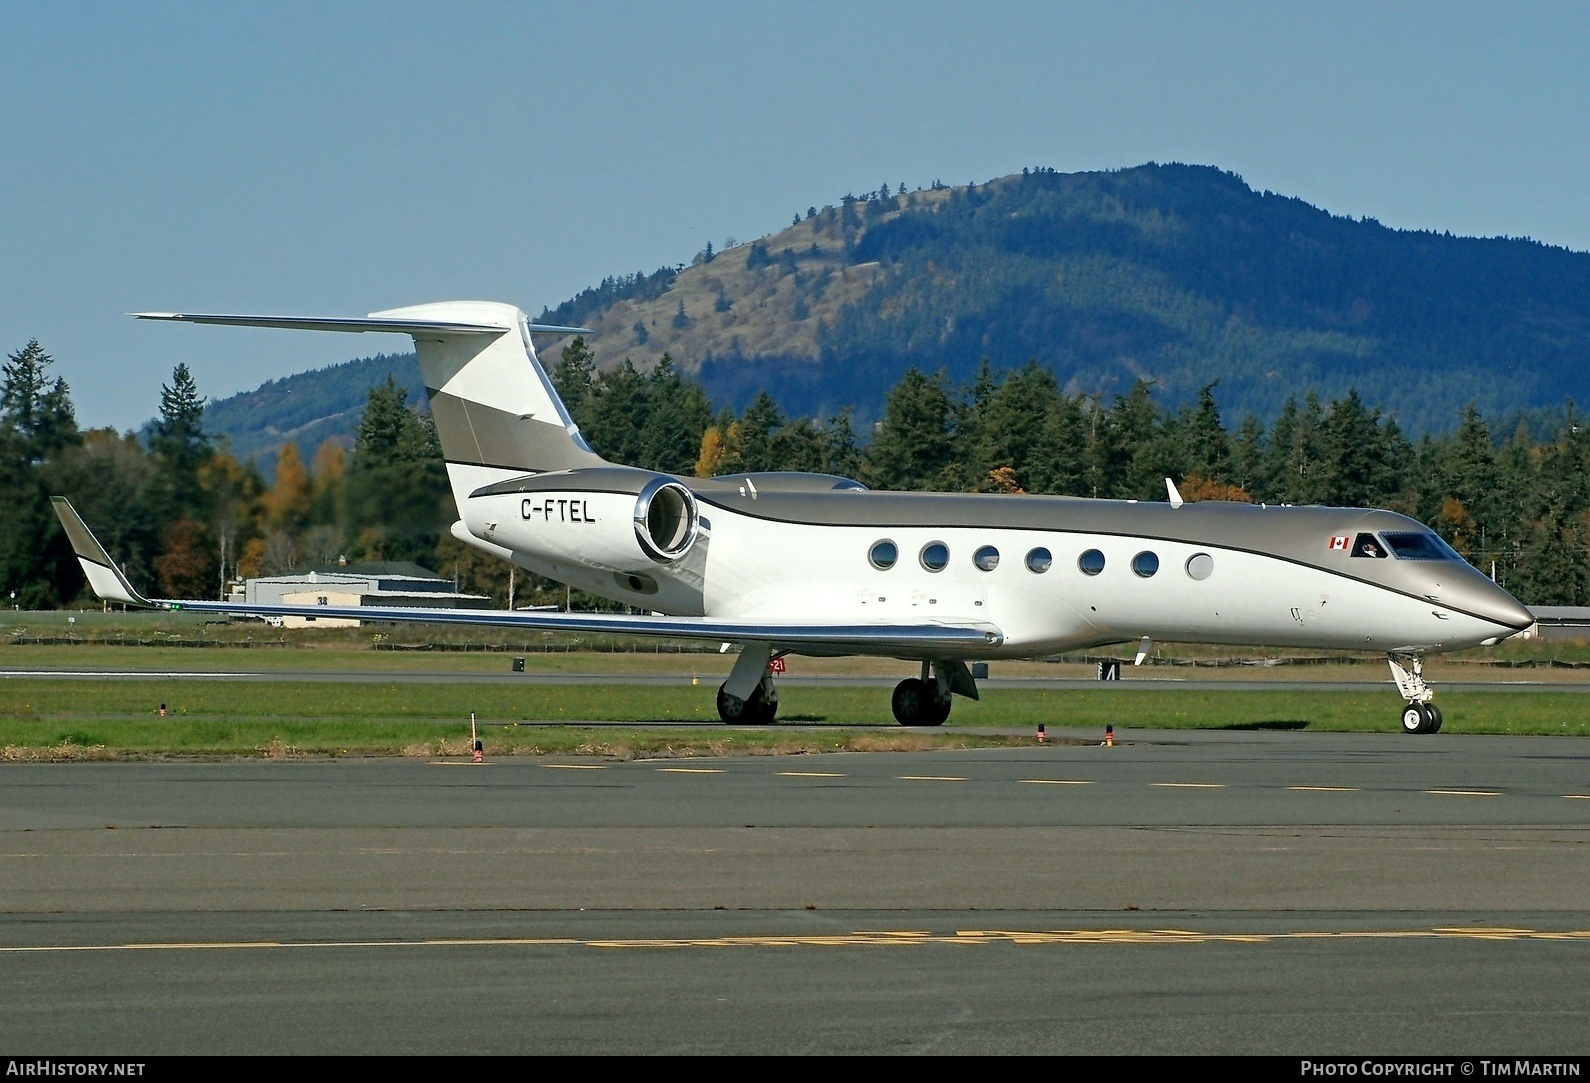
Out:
{"x": 496, "y": 412}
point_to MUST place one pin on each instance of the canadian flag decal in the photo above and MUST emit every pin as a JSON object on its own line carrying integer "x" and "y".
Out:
{"x": 1339, "y": 541}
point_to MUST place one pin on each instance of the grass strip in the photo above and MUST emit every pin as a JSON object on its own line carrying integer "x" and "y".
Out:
{"x": 64, "y": 719}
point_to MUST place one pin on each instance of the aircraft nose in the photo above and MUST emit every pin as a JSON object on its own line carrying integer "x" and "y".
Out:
{"x": 1490, "y": 602}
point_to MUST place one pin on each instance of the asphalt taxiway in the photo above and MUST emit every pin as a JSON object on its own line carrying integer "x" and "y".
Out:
{"x": 1198, "y": 892}
{"x": 1155, "y": 677}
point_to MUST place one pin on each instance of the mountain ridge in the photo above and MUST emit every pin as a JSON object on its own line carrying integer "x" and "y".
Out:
{"x": 1179, "y": 274}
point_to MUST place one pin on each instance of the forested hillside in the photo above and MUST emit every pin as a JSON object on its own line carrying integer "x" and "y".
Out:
{"x": 307, "y": 408}
{"x": 1179, "y": 275}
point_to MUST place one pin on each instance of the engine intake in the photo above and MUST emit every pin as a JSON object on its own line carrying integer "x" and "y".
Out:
{"x": 666, "y": 521}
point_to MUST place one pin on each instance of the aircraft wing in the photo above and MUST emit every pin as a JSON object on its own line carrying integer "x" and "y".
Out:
{"x": 111, "y": 584}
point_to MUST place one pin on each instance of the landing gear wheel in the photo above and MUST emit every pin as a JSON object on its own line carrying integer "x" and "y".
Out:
{"x": 1421, "y": 718}
{"x": 756, "y": 711}
{"x": 915, "y": 704}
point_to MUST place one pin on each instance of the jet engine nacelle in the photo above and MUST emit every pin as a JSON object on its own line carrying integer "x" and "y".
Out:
{"x": 666, "y": 520}
{"x": 611, "y": 526}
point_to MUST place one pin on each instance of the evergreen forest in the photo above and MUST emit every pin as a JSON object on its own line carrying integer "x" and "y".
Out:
{"x": 184, "y": 514}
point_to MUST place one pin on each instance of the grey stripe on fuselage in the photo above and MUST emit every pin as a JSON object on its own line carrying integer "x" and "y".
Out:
{"x": 1300, "y": 534}
{"x": 480, "y": 435}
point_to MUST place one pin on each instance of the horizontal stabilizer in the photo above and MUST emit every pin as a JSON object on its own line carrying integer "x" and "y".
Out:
{"x": 103, "y": 575}
{"x": 394, "y": 325}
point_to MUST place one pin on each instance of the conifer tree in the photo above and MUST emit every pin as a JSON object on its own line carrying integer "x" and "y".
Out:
{"x": 914, "y": 444}
{"x": 37, "y": 425}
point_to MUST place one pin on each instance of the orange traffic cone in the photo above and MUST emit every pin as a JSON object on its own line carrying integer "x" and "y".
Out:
{"x": 1041, "y": 737}
{"x": 1109, "y": 736}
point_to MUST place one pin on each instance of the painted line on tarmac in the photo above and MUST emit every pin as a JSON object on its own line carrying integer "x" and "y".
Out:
{"x": 1190, "y": 785}
{"x": 1325, "y": 789}
{"x": 810, "y": 774}
{"x": 1058, "y": 781}
{"x": 888, "y": 938}
{"x": 931, "y": 778}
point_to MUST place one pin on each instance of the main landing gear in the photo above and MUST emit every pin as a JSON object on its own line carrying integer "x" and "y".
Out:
{"x": 916, "y": 702}
{"x": 748, "y": 697}
{"x": 925, "y": 700}
{"x": 756, "y": 710}
{"x": 1420, "y": 715}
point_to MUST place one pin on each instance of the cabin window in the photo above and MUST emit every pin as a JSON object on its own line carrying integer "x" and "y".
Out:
{"x": 1091, "y": 562}
{"x": 1366, "y": 545}
{"x": 1145, "y": 564}
{"x": 1200, "y": 566}
{"x": 1039, "y": 560}
{"x": 935, "y": 556}
{"x": 883, "y": 555}
{"x": 986, "y": 558}
{"x": 1417, "y": 545}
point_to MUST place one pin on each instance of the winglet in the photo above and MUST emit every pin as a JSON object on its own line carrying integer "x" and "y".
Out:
{"x": 103, "y": 575}
{"x": 1175, "y": 494}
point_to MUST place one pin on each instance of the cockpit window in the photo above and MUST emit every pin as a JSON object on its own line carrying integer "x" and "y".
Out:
{"x": 1415, "y": 545}
{"x": 1367, "y": 545}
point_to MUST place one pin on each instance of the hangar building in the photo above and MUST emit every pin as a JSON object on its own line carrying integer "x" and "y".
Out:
{"x": 391, "y": 583}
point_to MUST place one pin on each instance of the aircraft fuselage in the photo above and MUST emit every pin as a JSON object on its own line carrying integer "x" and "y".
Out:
{"x": 1052, "y": 573}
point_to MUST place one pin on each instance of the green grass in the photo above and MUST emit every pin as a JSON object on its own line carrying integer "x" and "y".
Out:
{"x": 132, "y": 634}
{"x": 63, "y": 719}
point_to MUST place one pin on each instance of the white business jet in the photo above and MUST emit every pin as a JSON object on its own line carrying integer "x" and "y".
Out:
{"x": 783, "y": 563}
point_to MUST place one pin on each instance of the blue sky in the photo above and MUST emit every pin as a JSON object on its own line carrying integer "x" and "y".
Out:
{"x": 336, "y": 158}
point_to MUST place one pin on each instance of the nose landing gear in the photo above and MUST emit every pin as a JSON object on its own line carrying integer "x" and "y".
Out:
{"x": 1420, "y": 715}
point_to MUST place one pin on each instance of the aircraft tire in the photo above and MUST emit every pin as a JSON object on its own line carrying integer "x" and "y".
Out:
{"x": 1417, "y": 718}
{"x": 913, "y": 703}
{"x": 1435, "y": 718}
{"x": 755, "y": 711}
{"x": 766, "y": 700}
